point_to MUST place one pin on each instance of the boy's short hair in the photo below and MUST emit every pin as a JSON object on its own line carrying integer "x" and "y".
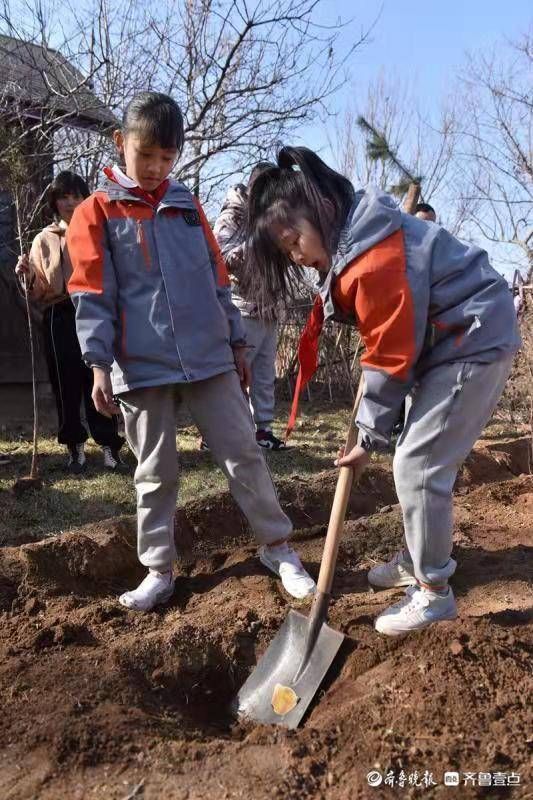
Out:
{"x": 65, "y": 183}
{"x": 157, "y": 120}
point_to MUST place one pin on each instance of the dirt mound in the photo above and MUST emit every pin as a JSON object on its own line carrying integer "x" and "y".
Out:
{"x": 102, "y": 555}
{"x": 491, "y": 462}
{"x": 98, "y": 700}
{"x": 200, "y": 526}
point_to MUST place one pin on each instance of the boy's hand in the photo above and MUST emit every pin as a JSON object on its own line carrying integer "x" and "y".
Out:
{"x": 358, "y": 459}
{"x": 102, "y": 393}
{"x": 243, "y": 369}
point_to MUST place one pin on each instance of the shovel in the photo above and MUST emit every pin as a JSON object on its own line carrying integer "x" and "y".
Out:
{"x": 285, "y": 680}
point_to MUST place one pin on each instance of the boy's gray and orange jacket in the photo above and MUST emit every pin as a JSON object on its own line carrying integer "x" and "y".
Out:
{"x": 419, "y": 297}
{"x": 151, "y": 289}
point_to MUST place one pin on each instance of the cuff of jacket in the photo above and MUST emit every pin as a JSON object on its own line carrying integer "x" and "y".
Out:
{"x": 91, "y": 363}
{"x": 372, "y": 444}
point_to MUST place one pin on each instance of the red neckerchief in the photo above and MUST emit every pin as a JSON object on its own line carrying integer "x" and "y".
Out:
{"x": 307, "y": 357}
{"x": 153, "y": 198}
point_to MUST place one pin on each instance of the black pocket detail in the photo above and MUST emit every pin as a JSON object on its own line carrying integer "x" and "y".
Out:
{"x": 192, "y": 217}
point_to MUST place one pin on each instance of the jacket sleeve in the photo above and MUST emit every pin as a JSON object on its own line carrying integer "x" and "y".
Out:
{"x": 385, "y": 316}
{"x": 93, "y": 284}
{"x": 38, "y": 286}
{"x": 237, "y": 334}
{"x": 230, "y": 240}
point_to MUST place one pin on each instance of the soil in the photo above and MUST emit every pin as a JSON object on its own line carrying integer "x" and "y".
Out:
{"x": 101, "y": 702}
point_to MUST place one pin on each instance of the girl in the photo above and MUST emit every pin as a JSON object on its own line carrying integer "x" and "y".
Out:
{"x": 46, "y": 272}
{"x": 438, "y": 324}
{"x": 156, "y": 324}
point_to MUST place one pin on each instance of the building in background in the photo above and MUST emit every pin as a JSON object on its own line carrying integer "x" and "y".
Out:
{"x": 41, "y": 95}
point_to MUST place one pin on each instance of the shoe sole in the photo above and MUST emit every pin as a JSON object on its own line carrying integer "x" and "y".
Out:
{"x": 398, "y": 584}
{"x": 414, "y": 630}
{"x": 161, "y": 601}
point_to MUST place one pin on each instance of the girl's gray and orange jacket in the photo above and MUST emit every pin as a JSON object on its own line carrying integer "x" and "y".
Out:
{"x": 151, "y": 289}
{"x": 420, "y": 298}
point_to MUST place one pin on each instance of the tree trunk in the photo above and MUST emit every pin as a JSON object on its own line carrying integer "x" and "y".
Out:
{"x": 411, "y": 198}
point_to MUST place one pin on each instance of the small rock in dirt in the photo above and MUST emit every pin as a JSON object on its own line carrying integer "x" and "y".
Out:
{"x": 67, "y": 633}
{"x": 33, "y": 606}
{"x": 385, "y": 509}
{"x": 456, "y": 647}
{"x": 44, "y": 638}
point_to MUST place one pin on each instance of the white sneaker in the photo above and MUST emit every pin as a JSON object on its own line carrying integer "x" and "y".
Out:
{"x": 396, "y": 572}
{"x": 418, "y": 609}
{"x": 283, "y": 561}
{"x": 154, "y": 590}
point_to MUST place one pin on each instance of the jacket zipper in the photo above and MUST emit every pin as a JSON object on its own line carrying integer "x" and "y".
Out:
{"x": 168, "y": 302}
{"x": 143, "y": 244}
{"x": 139, "y": 225}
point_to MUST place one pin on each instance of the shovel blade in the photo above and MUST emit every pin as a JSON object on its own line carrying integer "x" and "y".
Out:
{"x": 278, "y": 667}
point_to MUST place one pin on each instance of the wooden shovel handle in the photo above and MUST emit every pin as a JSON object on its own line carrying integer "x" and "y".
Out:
{"x": 338, "y": 509}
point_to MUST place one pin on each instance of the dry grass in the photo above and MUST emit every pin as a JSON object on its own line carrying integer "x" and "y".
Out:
{"x": 67, "y": 501}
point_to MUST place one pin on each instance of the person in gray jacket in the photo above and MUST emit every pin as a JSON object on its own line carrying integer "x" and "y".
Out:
{"x": 439, "y": 329}
{"x": 156, "y": 323}
{"x": 260, "y": 325}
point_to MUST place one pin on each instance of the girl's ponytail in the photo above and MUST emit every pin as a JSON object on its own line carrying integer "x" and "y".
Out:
{"x": 312, "y": 167}
{"x": 330, "y": 195}
{"x": 301, "y": 185}
{"x": 288, "y": 157}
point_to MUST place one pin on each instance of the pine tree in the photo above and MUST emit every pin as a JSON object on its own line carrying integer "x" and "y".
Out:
{"x": 378, "y": 149}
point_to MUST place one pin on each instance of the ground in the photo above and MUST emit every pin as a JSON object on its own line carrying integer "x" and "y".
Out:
{"x": 100, "y": 702}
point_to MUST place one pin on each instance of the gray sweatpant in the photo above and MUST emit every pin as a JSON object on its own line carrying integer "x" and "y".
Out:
{"x": 220, "y": 411}
{"x": 449, "y": 408}
{"x": 263, "y": 336}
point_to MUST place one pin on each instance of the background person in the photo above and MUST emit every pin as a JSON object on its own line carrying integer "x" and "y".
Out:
{"x": 425, "y": 211}
{"x": 47, "y": 271}
{"x": 260, "y": 325}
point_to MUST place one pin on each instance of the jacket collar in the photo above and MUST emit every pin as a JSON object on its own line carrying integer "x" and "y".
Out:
{"x": 373, "y": 216}
{"x": 177, "y": 194}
